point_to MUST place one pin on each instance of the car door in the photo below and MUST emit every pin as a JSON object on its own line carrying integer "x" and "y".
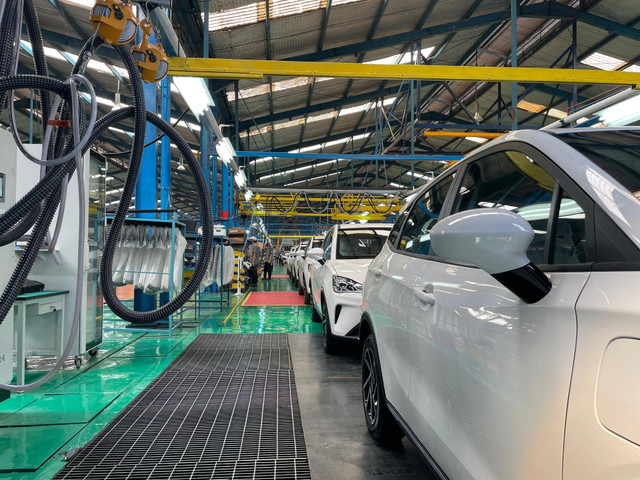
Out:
{"x": 389, "y": 294}
{"x": 491, "y": 374}
{"x": 321, "y": 272}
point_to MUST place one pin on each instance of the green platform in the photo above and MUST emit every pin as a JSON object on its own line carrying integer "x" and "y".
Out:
{"x": 36, "y": 427}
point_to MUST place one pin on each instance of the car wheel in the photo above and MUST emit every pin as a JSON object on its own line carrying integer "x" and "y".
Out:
{"x": 328, "y": 340}
{"x": 380, "y": 423}
{"x": 307, "y": 297}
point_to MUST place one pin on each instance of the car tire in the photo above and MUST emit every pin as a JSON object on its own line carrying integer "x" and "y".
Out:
{"x": 329, "y": 342}
{"x": 307, "y": 298}
{"x": 380, "y": 423}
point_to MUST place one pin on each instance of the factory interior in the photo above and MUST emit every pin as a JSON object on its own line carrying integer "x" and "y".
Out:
{"x": 217, "y": 218}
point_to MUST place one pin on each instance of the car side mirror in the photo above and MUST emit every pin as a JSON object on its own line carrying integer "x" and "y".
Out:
{"x": 315, "y": 253}
{"x": 496, "y": 241}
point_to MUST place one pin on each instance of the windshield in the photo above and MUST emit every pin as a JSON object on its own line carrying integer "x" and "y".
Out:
{"x": 361, "y": 243}
{"x": 616, "y": 152}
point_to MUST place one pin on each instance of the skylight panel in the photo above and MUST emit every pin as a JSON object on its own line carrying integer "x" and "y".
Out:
{"x": 537, "y": 108}
{"x": 82, "y": 3}
{"x": 284, "y": 8}
{"x": 603, "y": 62}
{"x": 277, "y": 87}
{"x": 400, "y": 59}
{"x": 257, "y": 12}
{"x": 236, "y": 17}
{"x": 632, "y": 69}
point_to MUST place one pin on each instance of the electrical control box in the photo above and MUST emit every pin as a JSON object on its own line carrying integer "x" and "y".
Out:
{"x": 8, "y": 163}
{"x": 219, "y": 231}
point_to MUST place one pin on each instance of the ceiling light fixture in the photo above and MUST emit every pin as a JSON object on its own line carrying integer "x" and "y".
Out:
{"x": 181, "y": 166}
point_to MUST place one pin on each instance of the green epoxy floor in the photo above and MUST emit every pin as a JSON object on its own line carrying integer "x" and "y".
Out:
{"x": 36, "y": 427}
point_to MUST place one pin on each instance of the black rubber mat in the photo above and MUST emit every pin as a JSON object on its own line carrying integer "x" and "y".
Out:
{"x": 226, "y": 408}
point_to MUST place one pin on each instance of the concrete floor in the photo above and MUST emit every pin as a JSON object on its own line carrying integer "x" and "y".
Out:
{"x": 37, "y": 426}
{"x": 338, "y": 444}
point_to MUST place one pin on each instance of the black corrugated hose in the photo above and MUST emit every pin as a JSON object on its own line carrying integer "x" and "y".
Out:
{"x": 40, "y": 204}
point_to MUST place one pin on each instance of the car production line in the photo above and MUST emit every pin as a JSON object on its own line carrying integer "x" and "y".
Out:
{"x": 337, "y": 442}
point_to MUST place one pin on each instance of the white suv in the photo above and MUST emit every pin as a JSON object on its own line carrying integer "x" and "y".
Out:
{"x": 304, "y": 268}
{"x": 337, "y": 285}
{"x": 500, "y": 325}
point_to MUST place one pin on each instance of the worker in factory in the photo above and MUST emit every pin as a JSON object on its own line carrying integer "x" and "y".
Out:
{"x": 254, "y": 253}
{"x": 268, "y": 259}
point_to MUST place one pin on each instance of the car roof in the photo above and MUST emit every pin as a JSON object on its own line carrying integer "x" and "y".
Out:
{"x": 354, "y": 226}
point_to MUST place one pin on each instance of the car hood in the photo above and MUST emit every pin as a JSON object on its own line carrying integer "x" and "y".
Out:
{"x": 355, "y": 269}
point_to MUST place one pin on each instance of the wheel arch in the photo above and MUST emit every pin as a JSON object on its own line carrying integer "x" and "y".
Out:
{"x": 366, "y": 329}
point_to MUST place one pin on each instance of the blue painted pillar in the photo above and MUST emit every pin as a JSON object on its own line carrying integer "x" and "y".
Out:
{"x": 146, "y": 186}
{"x": 165, "y": 147}
{"x": 230, "y": 223}
{"x": 225, "y": 194}
{"x": 514, "y": 61}
{"x": 165, "y": 160}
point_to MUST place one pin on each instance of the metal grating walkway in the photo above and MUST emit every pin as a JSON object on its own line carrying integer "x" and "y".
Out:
{"x": 226, "y": 408}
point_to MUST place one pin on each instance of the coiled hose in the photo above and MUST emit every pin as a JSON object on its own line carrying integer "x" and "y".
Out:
{"x": 41, "y": 202}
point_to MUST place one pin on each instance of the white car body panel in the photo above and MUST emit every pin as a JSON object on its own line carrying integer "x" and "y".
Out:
{"x": 603, "y": 434}
{"x": 495, "y": 388}
{"x": 322, "y": 284}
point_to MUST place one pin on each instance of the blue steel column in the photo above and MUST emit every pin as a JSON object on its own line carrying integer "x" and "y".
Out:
{"x": 514, "y": 61}
{"x": 165, "y": 160}
{"x": 224, "y": 193}
{"x": 146, "y": 186}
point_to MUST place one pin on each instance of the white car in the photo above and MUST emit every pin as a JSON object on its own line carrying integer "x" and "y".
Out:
{"x": 336, "y": 286}
{"x": 504, "y": 339}
{"x": 295, "y": 257}
{"x": 288, "y": 259}
{"x": 304, "y": 268}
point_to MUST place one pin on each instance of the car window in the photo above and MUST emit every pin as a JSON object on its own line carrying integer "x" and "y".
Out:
{"x": 395, "y": 231}
{"x": 424, "y": 215}
{"x": 326, "y": 246}
{"x": 360, "y": 243}
{"x": 570, "y": 240}
{"x": 514, "y": 181}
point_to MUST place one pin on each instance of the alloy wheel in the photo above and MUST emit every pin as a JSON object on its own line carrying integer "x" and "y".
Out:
{"x": 370, "y": 392}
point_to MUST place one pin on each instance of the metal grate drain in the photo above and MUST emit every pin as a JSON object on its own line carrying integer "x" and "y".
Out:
{"x": 226, "y": 408}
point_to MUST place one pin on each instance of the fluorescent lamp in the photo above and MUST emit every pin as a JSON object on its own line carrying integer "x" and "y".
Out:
{"x": 196, "y": 94}
{"x": 240, "y": 179}
{"x": 623, "y": 113}
{"x": 247, "y": 195}
{"x": 225, "y": 151}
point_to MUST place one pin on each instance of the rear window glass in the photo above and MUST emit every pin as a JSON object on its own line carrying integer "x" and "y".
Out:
{"x": 361, "y": 243}
{"x": 617, "y": 153}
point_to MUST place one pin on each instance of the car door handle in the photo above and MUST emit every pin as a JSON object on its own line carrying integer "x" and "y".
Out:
{"x": 425, "y": 294}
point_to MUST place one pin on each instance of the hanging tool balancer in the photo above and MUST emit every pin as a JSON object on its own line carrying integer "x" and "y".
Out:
{"x": 115, "y": 23}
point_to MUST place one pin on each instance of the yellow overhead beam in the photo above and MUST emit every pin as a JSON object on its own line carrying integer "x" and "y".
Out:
{"x": 258, "y": 69}
{"x": 462, "y": 134}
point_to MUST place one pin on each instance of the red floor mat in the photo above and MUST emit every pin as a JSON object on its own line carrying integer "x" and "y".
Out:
{"x": 279, "y": 276}
{"x": 256, "y": 299}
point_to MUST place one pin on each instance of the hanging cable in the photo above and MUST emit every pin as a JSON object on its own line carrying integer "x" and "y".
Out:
{"x": 66, "y": 139}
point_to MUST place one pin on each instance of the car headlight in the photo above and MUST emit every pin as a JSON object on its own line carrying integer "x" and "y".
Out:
{"x": 345, "y": 285}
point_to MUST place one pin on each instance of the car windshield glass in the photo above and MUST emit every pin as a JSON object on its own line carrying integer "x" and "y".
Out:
{"x": 361, "y": 243}
{"x": 616, "y": 152}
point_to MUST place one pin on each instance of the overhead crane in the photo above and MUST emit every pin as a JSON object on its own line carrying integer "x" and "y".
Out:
{"x": 258, "y": 69}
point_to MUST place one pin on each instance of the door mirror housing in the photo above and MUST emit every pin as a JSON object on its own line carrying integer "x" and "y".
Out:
{"x": 496, "y": 241}
{"x": 315, "y": 253}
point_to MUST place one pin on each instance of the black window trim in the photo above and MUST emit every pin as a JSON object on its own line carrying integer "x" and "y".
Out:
{"x": 560, "y": 177}
{"x": 419, "y": 194}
